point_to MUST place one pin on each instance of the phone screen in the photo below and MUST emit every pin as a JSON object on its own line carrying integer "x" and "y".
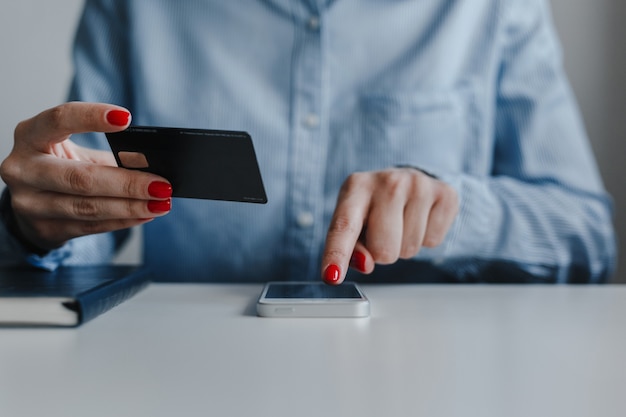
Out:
{"x": 312, "y": 290}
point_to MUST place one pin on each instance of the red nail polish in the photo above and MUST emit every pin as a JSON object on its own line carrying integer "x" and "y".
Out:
{"x": 332, "y": 273}
{"x": 358, "y": 261}
{"x": 159, "y": 206}
{"x": 118, "y": 117}
{"x": 160, "y": 189}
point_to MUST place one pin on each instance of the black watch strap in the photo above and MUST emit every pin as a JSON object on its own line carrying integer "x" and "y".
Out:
{"x": 423, "y": 171}
{"x": 7, "y": 216}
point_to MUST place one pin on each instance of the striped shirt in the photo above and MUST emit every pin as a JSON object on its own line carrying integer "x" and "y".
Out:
{"x": 472, "y": 91}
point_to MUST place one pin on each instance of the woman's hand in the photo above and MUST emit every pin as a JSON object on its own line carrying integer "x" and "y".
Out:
{"x": 383, "y": 216}
{"x": 60, "y": 190}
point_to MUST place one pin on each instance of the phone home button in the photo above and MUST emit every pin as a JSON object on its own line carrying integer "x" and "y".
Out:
{"x": 284, "y": 310}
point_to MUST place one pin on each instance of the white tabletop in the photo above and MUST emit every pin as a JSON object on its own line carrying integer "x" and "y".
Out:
{"x": 199, "y": 350}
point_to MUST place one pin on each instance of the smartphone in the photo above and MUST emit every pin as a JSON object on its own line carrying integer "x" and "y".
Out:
{"x": 312, "y": 299}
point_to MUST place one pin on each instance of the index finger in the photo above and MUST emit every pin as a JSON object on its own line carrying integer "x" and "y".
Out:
{"x": 343, "y": 233}
{"x": 58, "y": 123}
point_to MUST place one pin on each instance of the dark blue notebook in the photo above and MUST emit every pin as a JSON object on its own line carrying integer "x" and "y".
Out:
{"x": 66, "y": 297}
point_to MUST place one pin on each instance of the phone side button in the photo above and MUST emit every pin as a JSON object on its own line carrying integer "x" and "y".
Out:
{"x": 284, "y": 310}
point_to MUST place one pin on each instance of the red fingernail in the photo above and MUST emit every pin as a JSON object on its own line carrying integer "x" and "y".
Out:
{"x": 332, "y": 273}
{"x": 159, "y": 206}
{"x": 118, "y": 117}
{"x": 358, "y": 261}
{"x": 160, "y": 189}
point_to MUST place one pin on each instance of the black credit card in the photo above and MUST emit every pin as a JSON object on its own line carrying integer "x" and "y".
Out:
{"x": 207, "y": 164}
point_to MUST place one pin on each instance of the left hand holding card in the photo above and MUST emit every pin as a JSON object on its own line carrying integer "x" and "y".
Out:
{"x": 206, "y": 164}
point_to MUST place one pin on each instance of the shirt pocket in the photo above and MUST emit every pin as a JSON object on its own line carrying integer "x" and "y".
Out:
{"x": 424, "y": 129}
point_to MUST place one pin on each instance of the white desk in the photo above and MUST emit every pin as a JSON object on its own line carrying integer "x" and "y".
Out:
{"x": 198, "y": 350}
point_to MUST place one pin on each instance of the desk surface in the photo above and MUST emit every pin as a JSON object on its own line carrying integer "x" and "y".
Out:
{"x": 198, "y": 350}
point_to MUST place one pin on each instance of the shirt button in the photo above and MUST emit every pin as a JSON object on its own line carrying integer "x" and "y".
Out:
{"x": 305, "y": 219}
{"x": 311, "y": 120}
{"x": 313, "y": 23}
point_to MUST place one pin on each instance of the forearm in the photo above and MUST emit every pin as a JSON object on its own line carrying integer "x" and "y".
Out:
{"x": 544, "y": 228}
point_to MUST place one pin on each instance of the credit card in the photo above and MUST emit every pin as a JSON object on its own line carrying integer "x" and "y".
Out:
{"x": 199, "y": 163}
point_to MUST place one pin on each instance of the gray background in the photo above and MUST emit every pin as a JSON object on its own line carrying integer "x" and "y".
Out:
{"x": 35, "y": 69}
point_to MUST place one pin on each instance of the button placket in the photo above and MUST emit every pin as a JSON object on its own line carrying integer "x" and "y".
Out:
{"x": 307, "y": 148}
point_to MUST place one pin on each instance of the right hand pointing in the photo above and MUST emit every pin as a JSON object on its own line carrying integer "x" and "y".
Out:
{"x": 60, "y": 190}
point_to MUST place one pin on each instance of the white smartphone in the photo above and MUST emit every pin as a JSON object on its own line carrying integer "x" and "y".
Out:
{"x": 312, "y": 299}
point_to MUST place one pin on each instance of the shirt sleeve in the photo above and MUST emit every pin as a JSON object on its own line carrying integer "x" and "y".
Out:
{"x": 543, "y": 209}
{"x": 99, "y": 60}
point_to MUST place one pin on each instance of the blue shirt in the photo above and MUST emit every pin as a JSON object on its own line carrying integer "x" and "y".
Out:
{"x": 472, "y": 91}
